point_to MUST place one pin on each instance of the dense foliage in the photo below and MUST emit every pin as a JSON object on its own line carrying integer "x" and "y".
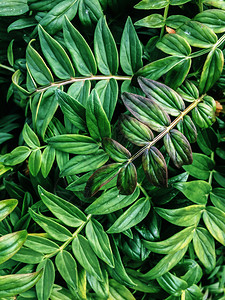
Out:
{"x": 102, "y": 194}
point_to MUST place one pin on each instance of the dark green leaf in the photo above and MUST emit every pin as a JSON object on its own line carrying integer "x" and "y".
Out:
{"x": 188, "y": 91}
{"x": 203, "y": 115}
{"x": 119, "y": 291}
{"x": 207, "y": 140}
{"x": 217, "y": 196}
{"x": 6, "y": 207}
{"x": 127, "y": 179}
{"x": 80, "y": 90}
{"x": 28, "y": 256}
{"x": 115, "y": 150}
{"x": 45, "y": 284}
{"x": 142, "y": 285}
{"x": 213, "y": 18}
{"x": 152, "y": 21}
{"x": 13, "y": 7}
{"x": 193, "y": 292}
{"x": 90, "y": 11}
{"x": 175, "y": 21}
{"x": 188, "y": 129}
{"x": 41, "y": 244}
{"x": 172, "y": 284}
{"x": 174, "y": 44}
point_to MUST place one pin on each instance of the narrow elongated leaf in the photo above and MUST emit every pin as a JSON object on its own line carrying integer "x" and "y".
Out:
{"x": 188, "y": 129}
{"x": 72, "y": 109}
{"x": 6, "y": 207}
{"x": 146, "y": 111}
{"x": 68, "y": 213}
{"x": 105, "y": 49}
{"x": 165, "y": 264}
{"x": 185, "y": 216}
{"x": 89, "y": 12}
{"x": 97, "y": 121}
{"x": 162, "y": 95}
{"x": 17, "y": 156}
{"x": 127, "y": 179}
{"x": 178, "y": 148}
{"x": 13, "y": 8}
{"x": 84, "y": 163}
{"x": 172, "y": 284}
{"x": 108, "y": 93}
{"x": 55, "y": 55}
{"x": 173, "y": 244}
{"x": 101, "y": 177}
{"x": 214, "y": 221}
{"x": 174, "y": 44}
{"x": 37, "y": 67}
{"x": 115, "y": 150}
{"x": 196, "y": 191}
{"x": 34, "y": 162}
{"x": 47, "y": 160}
{"x": 80, "y": 52}
{"x": 132, "y": 216}
{"x": 119, "y": 291}
{"x": 28, "y": 256}
{"x": 212, "y": 70}
{"x": 142, "y": 285}
{"x": 217, "y": 196}
{"x": 151, "y": 4}
{"x": 40, "y": 244}
{"x": 201, "y": 167}
{"x": 99, "y": 242}
{"x": 45, "y": 284}
{"x": 155, "y": 167}
{"x": 30, "y": 137}
{"x": 215, "y": 3}
{"x": 86, "y": 256}
{"x": 130, "y": 49}
{"x": 111, "y": 201}
{"x": 213, "y": 18}
{"x": 55, "y": 230}
{"x": 74, "y": 143}
{"x": 204, "y": 246}
{"x": 135, "y": 131}
{"x": 11, "y": 285}
{"x": 151, "y": 21}
{"x": 67, "y": 268}
{"x": 197, "y": 34}
{"x": 11, "y": 243}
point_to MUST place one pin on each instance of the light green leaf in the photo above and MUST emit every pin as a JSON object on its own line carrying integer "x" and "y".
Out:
{"x": 213, "y": 18}
{"x": 80, "y": 90}
{"x": 118, "y": 291}
{"x": 203, "y": 115}
{"x": 45, "y": 284}
{"x": 174, "y": 44}
{"x": 17, "y": 156}
{"x": 40, "y": 244}
{"x": 151, "y": 4}
{"x": 152, "y": 21}
{"x": 215, "y": 3}
{"x": 65, "y": 211}
{"x": 28, "y": 256}
{"x": 90, "y": 12}
{"x": 34, "y": 162}
{"x": 30, "y": 137}
{"x": 13, "y": 7}
{"x": 217, "y": 196}
{"x": 172, "y": 284}
{"x": 101, "y": 288}
{"x": 47, "y": 160}
{"x": 187, "y": 127}
{"x": 175, "y": 21}
{"x": 6, "y": 207}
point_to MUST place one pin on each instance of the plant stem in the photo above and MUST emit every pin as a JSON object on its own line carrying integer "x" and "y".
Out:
{"x": 200, "y": 5}
{"x": 143, "y": 190}
{"x": 166, "y": 10}
{"x": 74, "y": 235}
{"x": 165, "y": 131}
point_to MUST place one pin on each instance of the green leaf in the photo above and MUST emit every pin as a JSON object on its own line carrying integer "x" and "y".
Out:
{"x": 11, "y": 243}
{"x": 34, "y": 162}
{"x": 155, "y": 167}
{"x": 201, "y": 190}
{"x": 217, "y": 196}
{"x": 127, "y": 179}
{"x": 80, "y": 52}
{"x": 172, "y": 284}
{"x": 68, "y": 213}
{"x": 193, "y": 292}
{"x": 17, "y": 156}
{"x": 188, "y": 91}
{"x": 119, "y": 291}
{"x": 12, "y": 285}
{"x": 43, "y": 108}
{"x": 90, "y": 11}
{"x": 40, "y": 244}
{"x": 22, "y": 23}
{"x": 174, "y": 44}
{"x": 185, "y": 216}
{"x": 173, "y": 244}
{"x": 45, "y": 284}
{"x": 28, "y": 256}
{"x": 73, "y": 143}
{"x": 13, "y": 8}
{"x": 6, "y": 207}
{"x": 201, "y": 167}
{"x": 151, "y": 4}
{"x": 111, "y": 201}
{"x": 86, "y": 256}
{"x": 55, "y": 55}
{"x": 80, "y": 90}
{"x": 115, "y": 150}
{"x": 84, "y": 163}
{"x": 214, "y": 221}
{"x": 130, "y": 49}
{"x": 67, "y": 268}
{"x": 197, "y": 34}
{"x": 132, "y": 216}
{"x": 47, "y": 160}
{"x": 212, "y": 70}
{"x": 146, "y": 111}
{"x": 53, "y": 20}
{"x": 30, "y": 137}
{"x": 99, "y": 242}
{"x": 207, "y": 140}
{"x": 178, "y": 148}
{"x": 152, "y": 21}
{"x": 188, "y": 129}
{"x": 5, "y": 137}
{"x": 72, "y": 109}
{"x": 175, "y": 21}
{"x": 213, "y": 18}
{"x": 37, "y": 67}
{"x": 165, "y": 264}
{"x": 100, "y": 178}
{"x": 97, "y": 121}
{"x": 164, "y": 96}
{"x": 108, "y": 93}
{"x": 215, "y": 3}
{"x": 204, "y": 246}
{"x": 203, "y": 115}
{"x": 59, "y": 292}
{"x": 101, "y": 289}
{"x": 135, "y": 131}
{"x": 105, "y": 49}
{"x": 55, "y": 230}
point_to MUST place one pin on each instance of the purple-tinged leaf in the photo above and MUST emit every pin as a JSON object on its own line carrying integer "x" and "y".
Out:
{"x": 135, "y": 131}
{"x": 146, "y": 111}
{"x": 178, "y": 148}
{"x": 127, "y": 179}
{"x": 100, "y": 178}
{"x": 187, "y": 127}
{"x": 155, "y": 167}
{"x": 115, "y": 150}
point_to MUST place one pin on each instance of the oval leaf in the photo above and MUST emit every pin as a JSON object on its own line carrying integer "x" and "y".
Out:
{"x": 127, "y": 179}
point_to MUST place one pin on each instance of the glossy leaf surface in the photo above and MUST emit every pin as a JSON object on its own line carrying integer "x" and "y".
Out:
{"x": 127, "y": 179}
